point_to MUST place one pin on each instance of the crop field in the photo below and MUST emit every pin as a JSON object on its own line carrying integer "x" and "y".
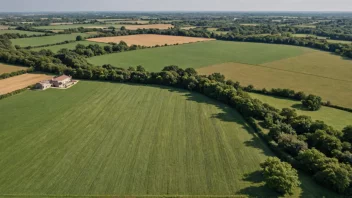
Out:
{"x": 56, "y": 48}
{"x": 149, "y": 39}
{"x": 20, "y": 32}
{"x": 154, "y": 26}
{"x": 100, "y": 138}
{"x": 334, "y": 117}
{"x": 199, "y": 55}
{"x": 44, "y": 40}
{"x": 324, "y": 38}
{"x": 5, "y": 68}
{"x": 262, "y": 65}
{"x": 4, "y": 27}
{"x": 19, "y": 82}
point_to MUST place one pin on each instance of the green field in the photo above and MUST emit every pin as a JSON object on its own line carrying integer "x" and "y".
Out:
{"x": 200, "y": 54}
{"x": 320, "y": 37}
{"x": 62, "y": 27}
{"x": 44, "y": 40}
{"x": 56, "y": 48}
{"x": 334, "y": 117}
{"x": 101, "y": 138}
{"x": 20, "y": 32}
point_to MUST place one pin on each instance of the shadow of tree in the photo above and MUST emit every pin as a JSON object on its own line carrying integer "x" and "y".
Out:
{"x": 299, "y": 107}
{"x": 258, "y": 189}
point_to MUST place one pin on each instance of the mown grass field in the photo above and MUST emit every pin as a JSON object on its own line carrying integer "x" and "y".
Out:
{"x": 334, "y": 117}
{"x": 44, "y": 40}
{"x": 56, "y": 48}
{"x": 20, "y": 32}
{"x": 100, "y": 138}
{"x": 5, "y": 68}
{"x": 198, "y": 55}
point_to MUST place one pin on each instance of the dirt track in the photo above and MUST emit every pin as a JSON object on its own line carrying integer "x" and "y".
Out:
{"x": 19, "y": 82}
{"x": 149, "y": 39}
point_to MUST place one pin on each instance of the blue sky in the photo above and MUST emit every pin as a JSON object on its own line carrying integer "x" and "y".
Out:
{"x": 175, "y": 5}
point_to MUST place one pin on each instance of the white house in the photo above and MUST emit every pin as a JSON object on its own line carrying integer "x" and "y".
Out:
{"x": 61, "y": 81}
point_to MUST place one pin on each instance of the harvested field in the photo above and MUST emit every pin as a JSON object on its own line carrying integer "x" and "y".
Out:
{"x": 120, "y": 140}
{"x": 4, "y": 68}
{"x": 19, "y": 82}
{"x": 149, "y": 39}
{"x": 154, "y": 26}
{"x": 3, "y": 27}
{"x": 337, "y": 91}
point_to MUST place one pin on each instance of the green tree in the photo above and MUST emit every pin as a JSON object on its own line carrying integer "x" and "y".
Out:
{"x": 79, "y": 38}
{"x": 312, "y": 102}
{"x": 347, "y": 134}
{"x": 280, "y": 176}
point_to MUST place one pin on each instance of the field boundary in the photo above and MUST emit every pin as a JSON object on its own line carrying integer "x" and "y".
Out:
{"x": 54, "y": 195}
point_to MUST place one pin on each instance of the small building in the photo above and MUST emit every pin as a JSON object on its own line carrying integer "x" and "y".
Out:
{"x": 43, "y": 85}
{"x": 61, "y": 81}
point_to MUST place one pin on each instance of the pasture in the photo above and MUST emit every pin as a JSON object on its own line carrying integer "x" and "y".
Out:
{"x": 262, "y": 65}
{"x": 19, "y": 82}
{"x": 5, "y": 68}
{"x": 45, "y": 40}
{"x": 56, "y": 48}
{"x": 100, "y": 138}
{"x": 322, "y": 38}
{"x": 334, "y": 117}
{"x": 149, "y": 39}
{"x": 20, "y": 32}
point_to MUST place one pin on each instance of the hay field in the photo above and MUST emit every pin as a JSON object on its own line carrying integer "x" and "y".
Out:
{"x": 20, "y": 32}
{"x": 337, "y": 91}
{"x": 4, "y": 27}
{"x": 44, "y": 40}
{"x": 56, "y": 48}
{"x": 61, "y": 23}
{"x": 19, "y": 82}
{"x": 200, "y": 54}
{"x": 154, "y": 26}
{"x": 334, "y": 117}
{"x": 149, "y": 39}
{"x": 109, "y": 139}
{"x": 5, "y": 68}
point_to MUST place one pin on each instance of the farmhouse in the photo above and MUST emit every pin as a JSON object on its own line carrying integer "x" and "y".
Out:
{"x": 62, "y": 81}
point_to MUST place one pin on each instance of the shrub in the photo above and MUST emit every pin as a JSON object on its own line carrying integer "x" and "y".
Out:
{"x": 280, "y": 176}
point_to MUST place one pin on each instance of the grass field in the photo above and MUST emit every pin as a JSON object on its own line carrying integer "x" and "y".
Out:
{"x": 149, "y": 39}
{"x": 101, "y": 138}
{"x": 20, "y": 32}
{"x": 44, "y": 40}
{"x": 56, "y": 48}
{"x": 263, "y": 65}
{"x": 334, "y": 117}
{"x": 19, "y": 82}
{"x": 5, "y": 68}
{"x": 200, "y": 54}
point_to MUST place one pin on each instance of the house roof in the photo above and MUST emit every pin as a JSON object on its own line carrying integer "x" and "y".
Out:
{"x": 60, "y": 78}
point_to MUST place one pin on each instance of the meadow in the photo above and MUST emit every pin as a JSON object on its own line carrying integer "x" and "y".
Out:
{"x": 56, "y": 48}
{"x": 199, "y": 55}
{"x": 20, "y": 32}
{"x": 100, "y": 138}
{"x": 334, "y": 117}
{"x": 262, "y": 65}
{"x": 5, "y": 68}
{"x": 324, "y": 38}
{"x": 45, "y": 40}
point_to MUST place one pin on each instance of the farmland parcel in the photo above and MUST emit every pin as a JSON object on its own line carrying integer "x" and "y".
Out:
{"x": 45, "y": 40}
{"x": 5, "y": 68}
{"x": 263, "y": 65}
{"x": 149, "y": 39}
{"x": 19, "y": 82}
{"x": 114, "y": 139}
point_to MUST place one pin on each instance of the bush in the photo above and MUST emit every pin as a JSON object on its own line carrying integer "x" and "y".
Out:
{"x": 280, "y": 176}
{"x": 312, "y": 102}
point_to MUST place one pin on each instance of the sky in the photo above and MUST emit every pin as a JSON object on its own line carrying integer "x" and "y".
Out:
{"x": 174, "y": 5}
